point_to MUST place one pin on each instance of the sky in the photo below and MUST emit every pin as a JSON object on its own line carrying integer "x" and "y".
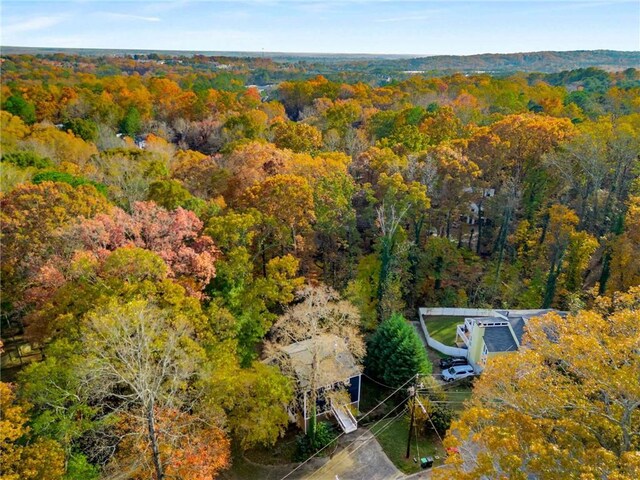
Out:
{"x": 418, "y": 27}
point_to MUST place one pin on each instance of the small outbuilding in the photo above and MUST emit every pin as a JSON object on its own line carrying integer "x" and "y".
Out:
{"x": 324, "y": 364}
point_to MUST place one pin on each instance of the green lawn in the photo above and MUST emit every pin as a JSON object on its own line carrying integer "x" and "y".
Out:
{"x": 457, "y": 396}
{"x": 443, "y": 328}
{"x": 280, "y": 453}
{"x": 392, "y": 436}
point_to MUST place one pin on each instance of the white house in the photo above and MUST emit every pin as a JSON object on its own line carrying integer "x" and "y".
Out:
{"x": 483, "y": 333}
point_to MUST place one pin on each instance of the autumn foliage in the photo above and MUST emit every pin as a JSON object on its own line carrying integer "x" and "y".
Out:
{"x": 168, "y": 222}
{"x": 566, "y": 404}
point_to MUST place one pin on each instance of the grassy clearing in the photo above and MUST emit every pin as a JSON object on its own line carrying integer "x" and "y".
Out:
{"x": 458, "y": 395}
{"x": 370, "y": 395}
{"x": 392, "y": 436}
{"x": 443, "y": 328}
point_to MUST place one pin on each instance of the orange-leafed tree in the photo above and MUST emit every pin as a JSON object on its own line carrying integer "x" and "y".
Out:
{"x": 567, "y": 251}
{"x": 199, "y": 173}
{"x": 252, "y": 163}
{"x": 288, "y": 201}
{"x": 625, "y": 251}
{"x": 189, "y": 447}
{"x": 509, "y": 154}
{"x": 32, "y": 216}
{"x": 144, "y": 363}
{"x": 170, "y": 101}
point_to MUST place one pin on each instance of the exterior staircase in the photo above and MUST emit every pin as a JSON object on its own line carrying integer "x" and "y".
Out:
{"x": 345, "y": 418}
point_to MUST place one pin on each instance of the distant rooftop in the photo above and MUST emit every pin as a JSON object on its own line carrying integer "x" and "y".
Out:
{"x": 500, "y": 339}
{"x": 503, "y": 329}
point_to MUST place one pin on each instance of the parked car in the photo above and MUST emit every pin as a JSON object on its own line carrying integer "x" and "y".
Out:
{"x": 457, "y": 372}
{"x": 452, "y": 362}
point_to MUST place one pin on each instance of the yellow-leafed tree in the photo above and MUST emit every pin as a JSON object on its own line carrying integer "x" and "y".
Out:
{"x": 24, "y": 458}
{"x": 625, "y": 249}
{"x": 566, "y": 405}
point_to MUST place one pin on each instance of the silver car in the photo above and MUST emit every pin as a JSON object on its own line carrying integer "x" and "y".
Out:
{"x": 457, "y": 372}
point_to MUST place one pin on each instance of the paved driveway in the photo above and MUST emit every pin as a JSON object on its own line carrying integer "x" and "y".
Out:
{"x": 434, "y": 358}
{"x": 363, "y": 459}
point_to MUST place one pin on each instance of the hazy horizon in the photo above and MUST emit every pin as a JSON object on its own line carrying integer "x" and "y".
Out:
{"x": 256, "y": 53}
{"x": 342, "y": 27}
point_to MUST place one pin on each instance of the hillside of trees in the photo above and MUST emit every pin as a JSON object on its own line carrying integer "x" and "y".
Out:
{"x": 527, "y": 61}
{"x": 161, "y": 217}
{"x": 284, "y": 66}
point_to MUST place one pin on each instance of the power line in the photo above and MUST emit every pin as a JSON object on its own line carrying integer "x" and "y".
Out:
{"x": 375, "y": 434}
{"x": 343, "y": 433}
{"x": 383, "y": 401}
{"x": 428, "y": 375}
{"x": 314, "y": 455}
{"x": 375, "y": 381}
{"x": 457, "y": 381}
{"x": 450, "y": 390}
{"x": 459, "y": 402}
{"x": 417, "y": 443}
{"x": 382, "y": 429}
{"x": 435, "y": 429}
{"x": 373, "y": 437}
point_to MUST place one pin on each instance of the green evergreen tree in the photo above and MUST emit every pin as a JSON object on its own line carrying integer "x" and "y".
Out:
{"x": 131, "y": 123}
{"x": 17, "y": 105}
{"x": 395, "y": 352}
{"x": 83, "y": 128}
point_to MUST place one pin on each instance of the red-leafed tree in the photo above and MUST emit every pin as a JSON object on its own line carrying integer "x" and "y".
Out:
{"x": 174, "y": 235}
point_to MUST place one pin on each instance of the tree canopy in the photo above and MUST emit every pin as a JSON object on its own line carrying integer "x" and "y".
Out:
{"x": 169, "y": 223}
{"x": 564, "y": 405}
{"x": 395, "y": 353}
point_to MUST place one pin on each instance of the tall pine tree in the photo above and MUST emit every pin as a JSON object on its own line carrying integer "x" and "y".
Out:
{"x": 395, "y": 352}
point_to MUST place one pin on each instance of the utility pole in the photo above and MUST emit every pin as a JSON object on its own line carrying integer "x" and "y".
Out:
{"x": 412, "y": 392}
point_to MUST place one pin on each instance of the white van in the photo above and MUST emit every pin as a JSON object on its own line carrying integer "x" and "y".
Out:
{"x": 457, "y": 372}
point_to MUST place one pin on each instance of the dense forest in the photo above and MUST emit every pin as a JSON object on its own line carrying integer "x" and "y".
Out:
{"x": 184, "y": 203}
{"x": 263, "y": 68}
{"x": 546, "y": 61}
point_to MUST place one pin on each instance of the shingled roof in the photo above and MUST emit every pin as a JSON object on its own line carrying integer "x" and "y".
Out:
{"x": 499, "y": 339}
{"x": 517, "y": 325}
{"x": 336, "y": 363}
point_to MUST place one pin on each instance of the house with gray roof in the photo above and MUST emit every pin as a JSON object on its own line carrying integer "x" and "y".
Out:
{"x": 487, "y": 336}
{"x": 483, "y": 333}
